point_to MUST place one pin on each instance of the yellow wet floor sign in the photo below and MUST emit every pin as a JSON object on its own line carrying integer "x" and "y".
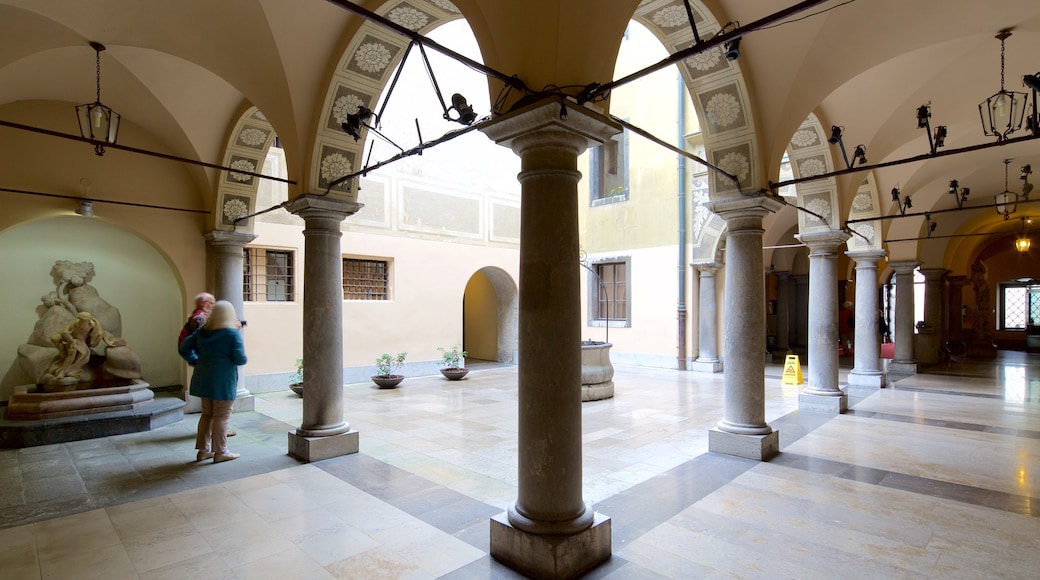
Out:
{"x": 792, "y": 371}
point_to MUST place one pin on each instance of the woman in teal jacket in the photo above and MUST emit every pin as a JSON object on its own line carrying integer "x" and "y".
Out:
{"x": 216, "y": 351}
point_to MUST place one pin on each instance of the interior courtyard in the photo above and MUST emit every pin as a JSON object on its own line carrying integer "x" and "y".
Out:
{"x": 799, "y": 235}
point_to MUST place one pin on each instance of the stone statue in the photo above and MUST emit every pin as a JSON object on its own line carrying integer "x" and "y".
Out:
{"x": 74, "y": 321}
{"x": 980, "y": 285}
{"x": 75, "y": 343}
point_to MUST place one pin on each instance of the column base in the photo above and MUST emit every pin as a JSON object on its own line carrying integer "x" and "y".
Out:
{"x": 192, "y": 404}
{"x": 757, "y": 447}
{"x": 866, "y": 378}
{"x": 903, "y": 367}
{"x": 829, "y": 404}
{"x": 706, "y": 366}
{"x": 312, "y": 449}
{"x": 246, "y": 403}
{"x": 550, "y": 556}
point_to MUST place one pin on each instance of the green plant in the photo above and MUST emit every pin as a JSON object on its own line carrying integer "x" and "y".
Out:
{"x": 297, "y": 377}
{"x": 451, "y": 357}
{"x": 386, "y": 364}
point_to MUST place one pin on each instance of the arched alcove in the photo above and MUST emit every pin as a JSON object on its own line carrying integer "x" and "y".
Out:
{"x": 130, "y": 274}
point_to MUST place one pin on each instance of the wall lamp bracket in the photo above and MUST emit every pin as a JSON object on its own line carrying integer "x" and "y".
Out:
{"x": 903, "y": 205}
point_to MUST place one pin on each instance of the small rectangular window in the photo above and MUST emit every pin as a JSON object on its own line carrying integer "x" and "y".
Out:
{"x": 609, "y": 170}
{"x": 365, "y": 279}
{"x": 612, "y": 296}
{"x": 267, "y": 275}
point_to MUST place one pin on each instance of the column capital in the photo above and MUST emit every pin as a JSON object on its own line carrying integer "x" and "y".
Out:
{"x": 957, "y": 280}
{"x": 742, "y": 212}
{"x": 707, "y": 268}
{"x": 538, "y": 124}
{"x": 312, "y": 205}
{"x": 824, "y": 242}
{"x": 866, "y": 256}
{"x": 782, "y": 274}
{"x": 934, "y": 273}
{"x": 226, "y": 238}
{"x": 904, "y": 266}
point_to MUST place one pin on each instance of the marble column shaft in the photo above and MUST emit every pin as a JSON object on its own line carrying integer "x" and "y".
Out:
{"x": 954, "y": 313}
{"x": 744, "y": 410}
{"x": 800, "y": 317}
{"x": 783, "y": 311}
{"x": 322, "y": 313}
{"x": 866, "y": 371}
{"x": 934, "y": 286}
{"x": 904, "y": 322}
{"x": 822, "y": 372}
{"x": 226, "y": 252}
{"x": 707, "y": 326}
{"x": 550, "y": 510}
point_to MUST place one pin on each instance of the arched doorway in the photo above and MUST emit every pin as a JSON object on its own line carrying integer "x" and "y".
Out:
{"x": 490, "y": 313}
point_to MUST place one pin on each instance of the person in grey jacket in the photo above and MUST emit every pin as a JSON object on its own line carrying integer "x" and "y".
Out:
{"x": 216, "y": 351}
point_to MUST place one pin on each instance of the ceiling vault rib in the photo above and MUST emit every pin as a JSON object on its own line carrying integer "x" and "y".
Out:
{"x": 510, "y": 80}
{"x": 697, "y": 48}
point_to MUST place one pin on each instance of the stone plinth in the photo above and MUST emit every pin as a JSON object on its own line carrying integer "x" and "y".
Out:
{"x": 757, "y": 447}
{"x": 312, "y": 449}
{"x": 823, "y": 403}
{"x": 26, "y": 404}
{"x": 551, "y": 556}
{"x": 102, "y": 422}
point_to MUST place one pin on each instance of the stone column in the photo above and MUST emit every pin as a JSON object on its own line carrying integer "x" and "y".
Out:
{"x": 800, "y": 316}
{"x": 822, "y": 394}
{"x": 323, "y": 433}
{"x": 224, "y": 249}
{"x": 743, "y": 430}
{"x": 550, "y": 531}
{"x": 931, "y": 334}
{"x": 904, "y": 360}
{"x": 707, "y": 357}
{"x": 783, "y": 311}
{"x": 867, "y": 372}
{"x": 955, "y": 317}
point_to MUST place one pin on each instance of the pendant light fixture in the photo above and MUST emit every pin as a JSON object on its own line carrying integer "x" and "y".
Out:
{"x": 1003, "y": 113}
{"x": 1006, "y": 203}
{"x": 1022, "y": 243}
{"x": 96, "y": 121}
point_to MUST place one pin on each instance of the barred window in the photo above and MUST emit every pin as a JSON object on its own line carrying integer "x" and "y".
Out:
{"x": 365, "y": 279}
{"x": 1019, "y": 306}
{"x": 267, "y": 275}
{"x": 612, "y": 302}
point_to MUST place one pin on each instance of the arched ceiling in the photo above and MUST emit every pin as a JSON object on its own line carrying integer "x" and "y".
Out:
{"x": 183, "y": 72}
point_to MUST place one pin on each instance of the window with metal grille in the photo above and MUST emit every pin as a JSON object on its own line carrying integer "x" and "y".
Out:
{"x": 612, "y": 302}
{"x": 1019, "y": 306}
{"x": 365, "y": 279}
{"x": 267, "y": 275}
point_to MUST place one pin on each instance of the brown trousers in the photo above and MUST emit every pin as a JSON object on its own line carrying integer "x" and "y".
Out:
{"x": 213, "y": 425}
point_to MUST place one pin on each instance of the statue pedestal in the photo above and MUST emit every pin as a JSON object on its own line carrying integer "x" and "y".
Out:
{"x": 42, "y": 418}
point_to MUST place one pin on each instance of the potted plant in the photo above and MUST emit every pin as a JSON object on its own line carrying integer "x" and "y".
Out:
{"x": 296, "y": 379}
{"x": 386, "y": 364}
{"x": 452, "y": 358}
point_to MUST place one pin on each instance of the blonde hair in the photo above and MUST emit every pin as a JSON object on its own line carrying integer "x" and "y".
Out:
{"x": 223, "y": 316}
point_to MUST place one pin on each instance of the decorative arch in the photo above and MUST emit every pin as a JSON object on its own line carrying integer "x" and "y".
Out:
{"x": 361, "y": 74}
{"x": 720, "y": 98}
{"x": 246, "y": 149}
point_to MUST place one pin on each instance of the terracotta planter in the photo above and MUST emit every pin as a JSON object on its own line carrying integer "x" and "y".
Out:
{"x": 387, "y": 382}
{"x": 454, "y": 374}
